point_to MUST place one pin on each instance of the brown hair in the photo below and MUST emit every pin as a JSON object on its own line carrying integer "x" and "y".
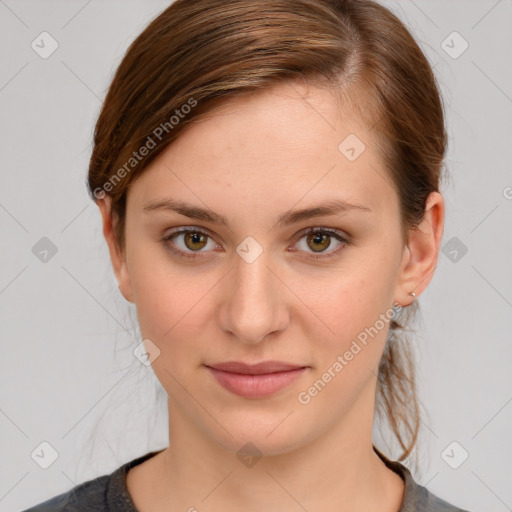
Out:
{"x": 196, "y": 54}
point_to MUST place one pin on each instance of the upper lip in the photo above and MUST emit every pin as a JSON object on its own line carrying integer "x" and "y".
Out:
{"x": 255, "y": 369}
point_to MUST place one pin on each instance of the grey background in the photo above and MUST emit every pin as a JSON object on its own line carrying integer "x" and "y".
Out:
{"x": 68, "y": 375}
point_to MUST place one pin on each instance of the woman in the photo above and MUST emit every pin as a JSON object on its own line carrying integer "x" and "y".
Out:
{"x": 268, "y": 178}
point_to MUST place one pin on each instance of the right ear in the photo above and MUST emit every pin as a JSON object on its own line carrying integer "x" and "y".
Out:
{"x": 116, "y": 255}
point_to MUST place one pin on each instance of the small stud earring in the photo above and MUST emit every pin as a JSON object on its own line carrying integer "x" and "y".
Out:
{"x": 412, "y": 294}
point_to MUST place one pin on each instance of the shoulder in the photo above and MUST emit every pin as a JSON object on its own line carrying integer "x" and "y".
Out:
{"x": 422, "y": 500}
{"x": 106, "y": 493}
{"x": 416, "y": 497}
{"x": 88, "y": 496}
{"x": 419, "y": 499}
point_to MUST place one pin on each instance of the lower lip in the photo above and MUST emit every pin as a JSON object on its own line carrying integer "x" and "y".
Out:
{"x": 255, "y": 386}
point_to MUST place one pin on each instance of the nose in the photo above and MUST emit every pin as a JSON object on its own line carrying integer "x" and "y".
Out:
{"x": 255, "y": 301}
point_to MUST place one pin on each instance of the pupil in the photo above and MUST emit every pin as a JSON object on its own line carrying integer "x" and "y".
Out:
{"x": 319, "y": 239}
{"x": 193, "y": 239}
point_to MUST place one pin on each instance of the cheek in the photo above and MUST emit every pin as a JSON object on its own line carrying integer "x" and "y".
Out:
{"x": 347, "y": 359}
{"x": 353, "y": 312}
{"x": 343, "y": 302}
{"x": 167, "y": 296}
{"x": 170, "y": 314}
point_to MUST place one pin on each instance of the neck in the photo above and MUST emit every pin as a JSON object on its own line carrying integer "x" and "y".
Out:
{"x": 339, "y": 471}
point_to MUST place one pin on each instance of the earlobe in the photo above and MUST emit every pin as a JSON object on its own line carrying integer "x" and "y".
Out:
{"x": 116, "y": 255}
{"x": 420, "y": 256}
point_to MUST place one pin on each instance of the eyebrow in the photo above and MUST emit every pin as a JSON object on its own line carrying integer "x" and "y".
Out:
{"x": 290, "y": 217}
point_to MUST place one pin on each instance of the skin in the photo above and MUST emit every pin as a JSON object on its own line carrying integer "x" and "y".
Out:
{"x": 255, "y": 159}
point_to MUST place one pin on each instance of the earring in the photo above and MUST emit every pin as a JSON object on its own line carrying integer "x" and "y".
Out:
{"x": 396, "y": 305}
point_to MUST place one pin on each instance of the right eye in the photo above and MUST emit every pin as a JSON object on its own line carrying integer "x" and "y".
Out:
{"x": 189, "y": 241}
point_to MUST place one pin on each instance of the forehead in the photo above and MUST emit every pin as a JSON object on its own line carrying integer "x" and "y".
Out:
{"x": 276, "y": 147}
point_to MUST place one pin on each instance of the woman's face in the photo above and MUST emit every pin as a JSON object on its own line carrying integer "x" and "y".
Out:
{"x": 258, "y": 287}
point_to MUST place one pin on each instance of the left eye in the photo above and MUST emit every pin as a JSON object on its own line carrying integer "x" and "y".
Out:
{"x": 193, "y": 240}
{"x": 320, "y": 239}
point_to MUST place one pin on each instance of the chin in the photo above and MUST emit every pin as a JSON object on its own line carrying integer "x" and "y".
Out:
{"x": 273, "y": 433}
{"x": 258, "y": 444}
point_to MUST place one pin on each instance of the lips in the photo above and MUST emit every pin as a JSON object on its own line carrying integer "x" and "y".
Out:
{"x": 264, "y": 367}
{"x": 257, "y": 380}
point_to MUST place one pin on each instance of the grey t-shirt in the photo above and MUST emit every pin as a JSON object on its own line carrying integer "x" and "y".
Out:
{"x": 108, "y": 493}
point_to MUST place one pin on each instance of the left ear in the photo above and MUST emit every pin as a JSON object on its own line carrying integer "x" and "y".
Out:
{"x": 419, "y": 258}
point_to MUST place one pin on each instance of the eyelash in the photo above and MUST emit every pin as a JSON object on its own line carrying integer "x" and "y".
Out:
{"x": 325, "y": 231}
